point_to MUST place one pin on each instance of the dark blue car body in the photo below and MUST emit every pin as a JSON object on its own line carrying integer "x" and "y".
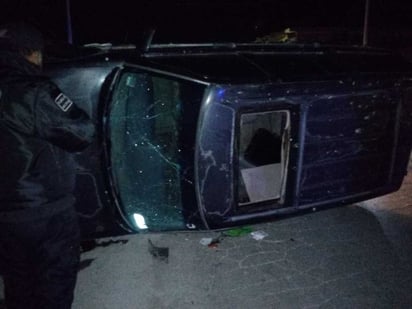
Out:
{"x": 218, "y": 135}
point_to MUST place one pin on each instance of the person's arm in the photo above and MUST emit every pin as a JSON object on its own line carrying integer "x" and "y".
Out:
{"x": 60, "y": 121}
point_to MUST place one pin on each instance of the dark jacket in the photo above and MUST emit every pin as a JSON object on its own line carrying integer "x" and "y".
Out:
{"x": 39, "y": 128}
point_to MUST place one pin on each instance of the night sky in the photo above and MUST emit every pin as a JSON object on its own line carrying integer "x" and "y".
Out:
{"x": 203, "y": 21}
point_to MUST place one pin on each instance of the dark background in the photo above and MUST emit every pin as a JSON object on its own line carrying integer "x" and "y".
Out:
{"x": 122, "y": 21}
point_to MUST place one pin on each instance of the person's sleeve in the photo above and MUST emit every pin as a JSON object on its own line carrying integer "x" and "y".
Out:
{"x": 59, "y": 121}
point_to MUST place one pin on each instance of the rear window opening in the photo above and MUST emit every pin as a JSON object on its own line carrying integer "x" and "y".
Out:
{"x": 263, "y": 157}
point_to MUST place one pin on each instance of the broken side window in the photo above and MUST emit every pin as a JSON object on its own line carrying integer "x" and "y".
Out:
{"x": 263, "y": 153}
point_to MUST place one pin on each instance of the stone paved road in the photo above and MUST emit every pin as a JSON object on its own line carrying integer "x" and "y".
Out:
{"x": 350, "y": 257}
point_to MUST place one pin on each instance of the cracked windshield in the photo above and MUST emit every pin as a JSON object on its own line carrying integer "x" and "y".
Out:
{"x": 152, "y": 125}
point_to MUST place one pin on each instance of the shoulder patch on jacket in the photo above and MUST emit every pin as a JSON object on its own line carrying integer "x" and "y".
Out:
{"x": 63, "y": 102}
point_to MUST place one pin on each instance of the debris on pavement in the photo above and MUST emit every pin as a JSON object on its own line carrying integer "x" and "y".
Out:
{"x": 235, "y": 232}
{"x": 239, "y": 231}
{"x": 161, "y": 253}
{"x": 214, "y": 242}
{"x": 210, "y": 242}
{"x": 206, "y": 241}
{"x": 259, "y": 235}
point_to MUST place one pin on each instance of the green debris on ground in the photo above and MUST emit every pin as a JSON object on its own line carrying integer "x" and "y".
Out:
{"x": 237, "y": 232}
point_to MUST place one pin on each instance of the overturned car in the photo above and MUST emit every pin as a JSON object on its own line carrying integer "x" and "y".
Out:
{"x": 206, "y": 136}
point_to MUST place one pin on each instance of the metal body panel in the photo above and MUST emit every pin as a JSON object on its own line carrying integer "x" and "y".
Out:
{"x": 348, "y": 137}
{"x": 345, "y": 137}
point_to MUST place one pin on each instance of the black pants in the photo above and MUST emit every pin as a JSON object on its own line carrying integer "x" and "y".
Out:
{"x": 39, "y": 261}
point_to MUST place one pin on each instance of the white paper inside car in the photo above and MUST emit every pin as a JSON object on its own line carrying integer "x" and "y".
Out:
{"x": 263, "y": 182}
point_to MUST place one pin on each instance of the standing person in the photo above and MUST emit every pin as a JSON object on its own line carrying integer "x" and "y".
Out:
{"x": 39, "y": 129}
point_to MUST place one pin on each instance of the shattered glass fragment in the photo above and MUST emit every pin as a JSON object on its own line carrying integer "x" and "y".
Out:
{"x": 160, "y": 253}
{"x": 259, "y": 235}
